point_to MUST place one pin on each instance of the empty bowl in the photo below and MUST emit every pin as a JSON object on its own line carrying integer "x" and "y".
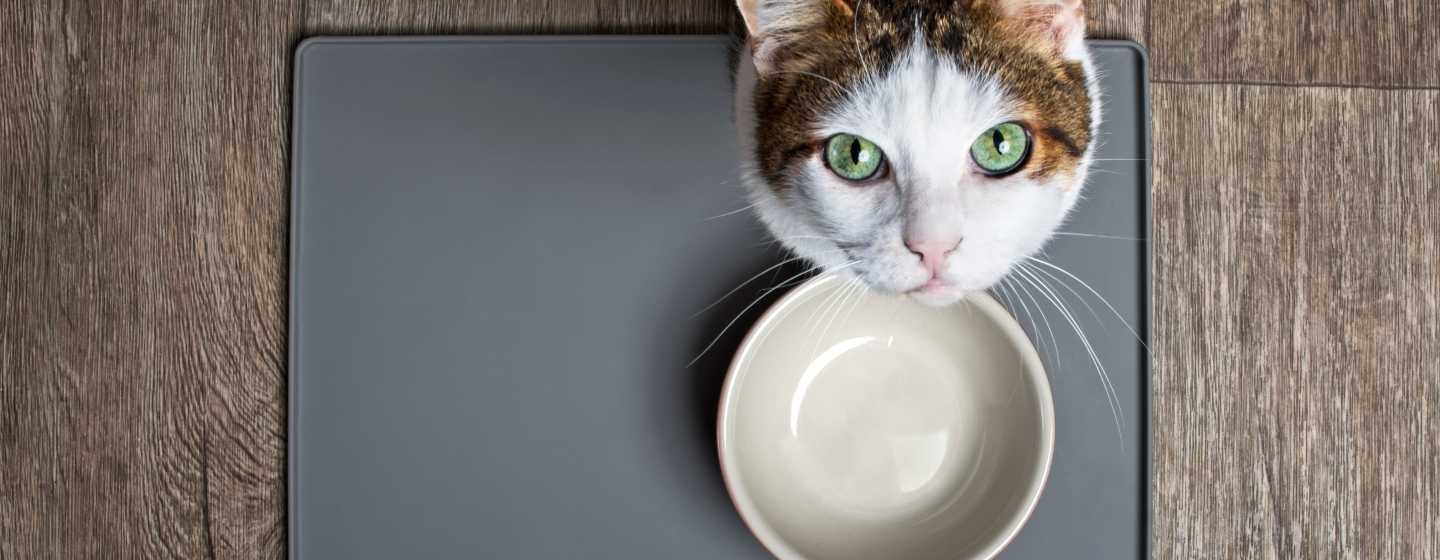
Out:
{"x": 856, "y": 425}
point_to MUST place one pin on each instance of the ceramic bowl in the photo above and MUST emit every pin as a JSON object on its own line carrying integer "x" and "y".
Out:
{"x": 854, "y": 425}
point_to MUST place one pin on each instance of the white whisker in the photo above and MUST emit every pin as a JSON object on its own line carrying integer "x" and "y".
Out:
{"x": 757, "y": 300}
{"x": 755, "y": 277}
{"x": 1097, "y": 236}
{"x": 832, "y": 297}
{"x": 1097, "y": 296}
{"x": 1004, "y": 296}
{"x": 742, "y": 313}
{"x": 730, "y": 213}
{"x": 860, "y": 291}
{"x": 792, "y": 282}
{"x": 778, "y": 241}
{"x": 842, "y": 88}
{"x": 1029, "y": 317}
{"x": 849, "y": 290}
{"x": 1112, "y": 396}
{"x": 1045, "y": 319}
{"x": 1078, "y": 296}
{"x": 855, "y": 38}
{"x": 743, "y": 284}
{"x": 1014, "y": 388}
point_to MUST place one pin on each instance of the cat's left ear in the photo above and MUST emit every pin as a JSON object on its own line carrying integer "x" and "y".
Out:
{"x": 1057, "y": 26}
{"x": 776, "y": 24}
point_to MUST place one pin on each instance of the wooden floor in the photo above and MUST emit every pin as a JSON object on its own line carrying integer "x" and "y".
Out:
{"x": 143, "y": 200}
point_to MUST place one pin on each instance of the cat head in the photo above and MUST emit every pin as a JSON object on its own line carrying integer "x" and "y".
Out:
{"x": 924, "y": 146}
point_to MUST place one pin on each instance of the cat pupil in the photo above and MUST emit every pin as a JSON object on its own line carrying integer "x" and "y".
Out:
{"x": 999, "y": 139}
{"x": 855, "y": 151}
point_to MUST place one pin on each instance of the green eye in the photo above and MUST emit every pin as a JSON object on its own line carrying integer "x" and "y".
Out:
{"x": 853, "y": 158}
{"x": 1002, "y": 149}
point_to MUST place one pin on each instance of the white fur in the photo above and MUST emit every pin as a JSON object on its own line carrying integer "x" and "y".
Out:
{"x": 924, "y": 113}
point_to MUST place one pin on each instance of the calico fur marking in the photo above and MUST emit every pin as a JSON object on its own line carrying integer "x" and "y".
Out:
{"x": 922, "y": 81}
{"x": 817, "y": 61}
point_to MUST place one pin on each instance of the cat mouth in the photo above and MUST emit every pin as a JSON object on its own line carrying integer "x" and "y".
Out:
{"x": 936, "y": 293}
{"x": 934, "y": 285}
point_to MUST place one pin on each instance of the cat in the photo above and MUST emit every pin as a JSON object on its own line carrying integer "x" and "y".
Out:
{"x": 923, "y": 146}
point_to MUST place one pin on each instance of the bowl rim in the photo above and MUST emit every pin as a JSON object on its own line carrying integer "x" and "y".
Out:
{"x": 1010, "y": 327}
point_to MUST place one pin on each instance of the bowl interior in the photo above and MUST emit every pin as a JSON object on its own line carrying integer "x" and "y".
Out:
{"x": 859, "y": 425}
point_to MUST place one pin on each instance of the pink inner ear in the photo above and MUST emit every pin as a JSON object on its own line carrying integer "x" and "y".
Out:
{"x": 1069, "y": 23}
{"x": 1060, "y": 21}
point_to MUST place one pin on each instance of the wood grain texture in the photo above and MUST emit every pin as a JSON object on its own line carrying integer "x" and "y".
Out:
{"x": 1108, "y": 18}
{"x": 1385, "y": 43}
{"x": 1297, "y": 385}
{"x": 1115, "y": 19}
{"x": 143, "y": 193}
{"x": 144, "y": 265}
{"x": 388, "y": 17}
{"x": 30, "y": 416}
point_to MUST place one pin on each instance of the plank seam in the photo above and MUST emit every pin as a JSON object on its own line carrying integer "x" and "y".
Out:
{"x": 1265, "y": 83}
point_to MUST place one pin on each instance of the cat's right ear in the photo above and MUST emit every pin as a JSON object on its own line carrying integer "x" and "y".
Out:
{"x": 775, "y": 23}
{"x": 1056, "y": 26}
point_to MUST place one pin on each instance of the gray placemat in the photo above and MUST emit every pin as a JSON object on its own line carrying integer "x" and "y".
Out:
{"x": 497, "y": 248}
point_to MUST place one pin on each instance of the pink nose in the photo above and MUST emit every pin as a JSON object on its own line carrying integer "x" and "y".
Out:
{"x": 933, "y": 253}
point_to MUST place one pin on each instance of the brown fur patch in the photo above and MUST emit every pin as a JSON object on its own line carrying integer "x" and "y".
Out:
{"x": 1051, "y": 89}
{"x": 811, "y": 71}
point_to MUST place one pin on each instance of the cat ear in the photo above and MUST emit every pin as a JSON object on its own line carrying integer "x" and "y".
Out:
{"x": 776, "y": 23}
{"x": 1057, "y": 26}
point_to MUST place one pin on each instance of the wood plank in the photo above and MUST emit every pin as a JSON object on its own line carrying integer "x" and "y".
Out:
{"x": 142, "y": 191}
{"x": 240, "y": 272}
{"x": 1123, "y": 19}
{"x": 1297, "y": 403}
{"x": 1116, "y": 19}
{"x": 1385, "y": 43}
{"x": 385, "y": 17}
{"x": 31, "y": 334}
{"x": 144, "y": 274}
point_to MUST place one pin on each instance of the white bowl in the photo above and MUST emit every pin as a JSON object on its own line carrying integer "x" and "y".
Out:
{"x": 875, "y": 427}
